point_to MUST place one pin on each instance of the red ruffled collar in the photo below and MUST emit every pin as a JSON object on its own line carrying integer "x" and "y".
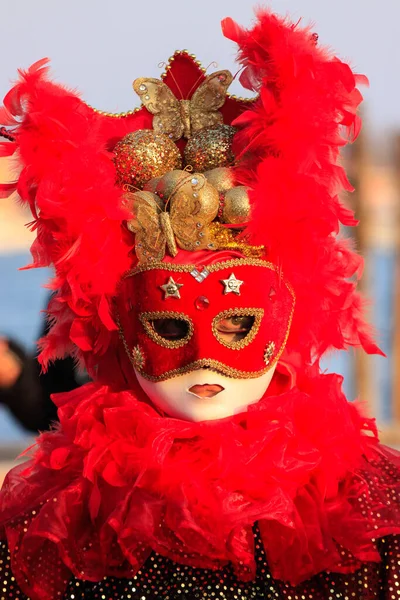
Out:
{"x": 117, "y": 481}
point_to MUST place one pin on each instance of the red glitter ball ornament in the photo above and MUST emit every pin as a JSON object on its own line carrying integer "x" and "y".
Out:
{"x": 143, "y": 155}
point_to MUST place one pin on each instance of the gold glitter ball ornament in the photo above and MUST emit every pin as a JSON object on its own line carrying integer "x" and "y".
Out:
{"x": 236, "y": 208}
{"x": 210, "y": 148}
{"x": 169, "y": 183}
{"x": 144, "y": 154}
{"x": 151, "y": 186}
{"x": 222, "y": 178}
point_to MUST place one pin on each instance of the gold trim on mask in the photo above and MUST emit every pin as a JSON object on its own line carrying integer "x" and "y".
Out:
{"x": 212, "y": 364}
{"x": 257, "y": 313}
{"x": 218, "y": 266}
{"x": 145, "y": 317}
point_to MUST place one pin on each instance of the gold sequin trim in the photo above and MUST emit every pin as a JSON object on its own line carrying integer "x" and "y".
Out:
{"x": 257, "y": 313}
{"x": 147, "y": 317}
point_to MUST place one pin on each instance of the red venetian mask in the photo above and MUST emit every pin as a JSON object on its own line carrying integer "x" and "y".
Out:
{"x": 231, "y": 316}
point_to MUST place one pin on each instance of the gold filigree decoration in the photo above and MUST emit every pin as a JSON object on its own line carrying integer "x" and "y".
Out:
{"x": 257, "y": 313}
{"x": 192, "y": 207}
{"x": 138, "y": 359}
{"x": 269, "y": 352}
{"x": 147, "y": 317}
{"x": 182, "y": 118}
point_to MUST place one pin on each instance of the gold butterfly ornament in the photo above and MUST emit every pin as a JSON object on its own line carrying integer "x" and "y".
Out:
{"x": 178, "y": 118}
{"x": 177, "y": 215}
{"x": 176, "y": 208}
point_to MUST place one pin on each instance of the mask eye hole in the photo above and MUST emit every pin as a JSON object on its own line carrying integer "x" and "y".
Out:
{"x": 167, "y": 328}
{"x": 170, "y": 329}
{"x": 236, "y": 328}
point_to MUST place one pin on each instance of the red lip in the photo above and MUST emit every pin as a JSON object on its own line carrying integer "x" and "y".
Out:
{"x": 206, "y": 390}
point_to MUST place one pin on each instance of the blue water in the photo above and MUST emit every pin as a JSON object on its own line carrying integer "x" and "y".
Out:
{"x": 382, "y": 269}
{"x": 22, "y": 297}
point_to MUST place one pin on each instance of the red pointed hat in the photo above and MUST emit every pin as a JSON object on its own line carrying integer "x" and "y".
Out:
{"x": 123, "y": 204}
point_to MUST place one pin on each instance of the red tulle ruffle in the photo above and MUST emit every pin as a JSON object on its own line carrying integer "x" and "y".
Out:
{"x": 118, "y": 481}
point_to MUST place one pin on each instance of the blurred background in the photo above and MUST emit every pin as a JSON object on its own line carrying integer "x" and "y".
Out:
{"x": 99, "y": 47}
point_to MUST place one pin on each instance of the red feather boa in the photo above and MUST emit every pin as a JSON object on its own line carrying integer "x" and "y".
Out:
{"x": 119, "y": 481}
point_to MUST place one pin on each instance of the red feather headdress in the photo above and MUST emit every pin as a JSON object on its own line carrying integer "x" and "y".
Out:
{"x": 288, "y": 142}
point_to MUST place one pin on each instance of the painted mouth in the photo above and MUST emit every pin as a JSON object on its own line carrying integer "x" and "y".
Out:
{"x": 206, "y": 390}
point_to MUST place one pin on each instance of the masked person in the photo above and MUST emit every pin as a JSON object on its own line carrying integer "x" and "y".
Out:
{"x": 199, "y": 278}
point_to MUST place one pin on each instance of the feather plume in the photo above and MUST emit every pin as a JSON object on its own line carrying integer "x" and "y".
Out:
{"x": 68, "y": 181}
{"x": 289, "y": 142}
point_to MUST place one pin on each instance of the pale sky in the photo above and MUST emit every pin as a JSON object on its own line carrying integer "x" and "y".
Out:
{"x": 100, "y": 46}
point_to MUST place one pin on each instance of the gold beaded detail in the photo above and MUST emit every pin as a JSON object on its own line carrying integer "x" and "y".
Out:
{"x": 120, "y": 115}
{"x": 218, "y": 266}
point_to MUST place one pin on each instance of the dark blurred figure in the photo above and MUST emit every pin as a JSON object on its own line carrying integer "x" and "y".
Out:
{"x": 26, "y": 391}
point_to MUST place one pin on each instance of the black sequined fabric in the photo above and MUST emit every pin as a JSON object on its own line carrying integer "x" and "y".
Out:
{"x": 166, "y": 580}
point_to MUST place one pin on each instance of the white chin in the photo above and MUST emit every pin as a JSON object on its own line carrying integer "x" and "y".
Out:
{"x": 173, "y": 397}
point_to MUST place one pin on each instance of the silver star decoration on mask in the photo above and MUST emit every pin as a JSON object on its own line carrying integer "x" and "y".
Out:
{"x": 171, "y": 289}
{"x": 232, "y": 284}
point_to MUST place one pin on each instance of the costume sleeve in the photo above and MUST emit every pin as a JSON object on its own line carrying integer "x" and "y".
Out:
{"x": 29, "y": 399}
